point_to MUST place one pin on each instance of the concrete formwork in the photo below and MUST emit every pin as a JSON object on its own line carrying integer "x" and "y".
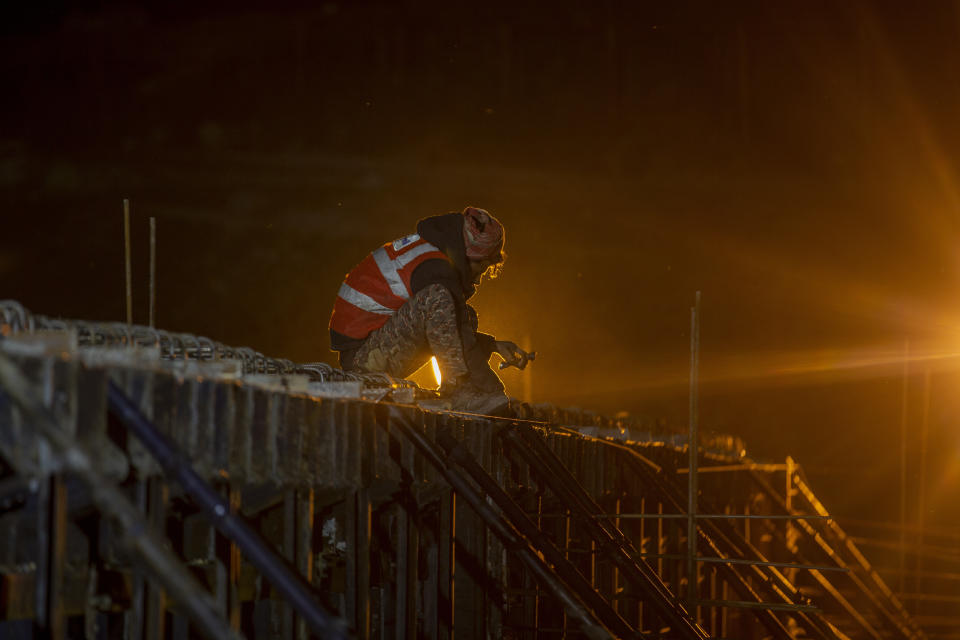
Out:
{"x": 403, "y": 522}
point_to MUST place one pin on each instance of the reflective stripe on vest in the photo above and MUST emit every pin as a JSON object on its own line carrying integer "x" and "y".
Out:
{"x": 390, "y": 268}
{"x": 390, "y": 273}
{"x": 362, "y": 300}
{"x": 379, "y": 285}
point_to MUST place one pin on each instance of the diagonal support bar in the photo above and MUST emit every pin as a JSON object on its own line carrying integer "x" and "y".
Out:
{"x": 268, "y": 562}
{"x": 162, "y": 565}
{"x": 512, "y": 539}
{"x": 459, "y": 454}
{"x": 610, "y": 540}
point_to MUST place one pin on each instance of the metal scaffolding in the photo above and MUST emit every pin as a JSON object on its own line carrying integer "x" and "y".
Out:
{"x": 144, "y": 498}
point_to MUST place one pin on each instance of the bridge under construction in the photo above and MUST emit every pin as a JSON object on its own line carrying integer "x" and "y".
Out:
{"x": 159, "y": 485}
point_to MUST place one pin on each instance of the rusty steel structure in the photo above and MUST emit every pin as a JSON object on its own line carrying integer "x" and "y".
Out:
{"x": 158, "y": 485}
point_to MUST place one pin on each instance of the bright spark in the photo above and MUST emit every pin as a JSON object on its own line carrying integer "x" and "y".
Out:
{"x": 436, "y": 370}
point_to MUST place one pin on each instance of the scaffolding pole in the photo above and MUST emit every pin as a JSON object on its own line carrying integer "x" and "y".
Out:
{"x": 692, "y": 447}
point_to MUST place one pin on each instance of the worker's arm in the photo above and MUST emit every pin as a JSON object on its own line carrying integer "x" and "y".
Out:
{"x": 442, "y": 272}
{"x": 513, "y": 356}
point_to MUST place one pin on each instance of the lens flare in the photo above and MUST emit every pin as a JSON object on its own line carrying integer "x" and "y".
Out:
{"x": 436, "y": 370}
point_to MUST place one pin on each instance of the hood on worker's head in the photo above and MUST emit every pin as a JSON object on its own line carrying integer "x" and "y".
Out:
{"x": 482, "y": 235}
{"x": 445, "y": 232}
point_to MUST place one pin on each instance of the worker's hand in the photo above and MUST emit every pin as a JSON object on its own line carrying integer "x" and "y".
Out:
{"x": 512, "y": 355}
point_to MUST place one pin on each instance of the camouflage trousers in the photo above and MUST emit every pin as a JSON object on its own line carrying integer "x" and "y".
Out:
{"x": 427, "y": 324}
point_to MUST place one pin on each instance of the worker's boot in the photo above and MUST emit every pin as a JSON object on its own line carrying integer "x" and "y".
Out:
{"x": 469, "y": 398}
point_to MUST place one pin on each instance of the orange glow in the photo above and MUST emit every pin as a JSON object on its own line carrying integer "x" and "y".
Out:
{"x": 436, "y": 370}
{"x": 784, "y": 368}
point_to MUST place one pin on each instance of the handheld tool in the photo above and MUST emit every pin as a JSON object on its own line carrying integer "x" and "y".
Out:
{"x": 513, "y": 363}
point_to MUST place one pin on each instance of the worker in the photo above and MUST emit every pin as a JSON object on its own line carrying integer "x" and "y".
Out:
{"x": 407, "y": 301}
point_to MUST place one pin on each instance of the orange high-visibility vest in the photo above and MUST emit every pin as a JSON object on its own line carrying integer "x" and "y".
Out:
{"x": 377, "y": 287}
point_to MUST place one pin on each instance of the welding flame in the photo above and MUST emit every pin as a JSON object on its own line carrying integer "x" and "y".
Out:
{"x": 436, "y": 370}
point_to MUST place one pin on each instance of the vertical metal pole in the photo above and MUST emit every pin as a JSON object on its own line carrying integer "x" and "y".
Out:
{"x": 593, "y": 566}
{"x": 358, "y": 533}
{"x": 446, "y": 563}
{"x": 51, "y": 534}
{"x": 228, "y": 565}
{"x": 407, "y": 561}
{"x": 126, "y": 260}
{"x": 413, "y": 563}
{"x": 58, "y": 557}
{"x": 236, "y": 562}
{"x": 402, "y": 571}
{"x": 153, "y": 269}
{"x": 52, "y": 501}
{"x": 155, "y": 603}
{"x": 788, "y": 489}
{"x": 304, "y": 554}
{"x": 135, "y": 619}
{"x": 289, "y": 552}
{"x": 661, "y": 541}
{"x": 42, "y": 585}
{"x": 617, "y": 603}
{"x": 788, "y": 492}
{"x": 527, "y": 374}
{"x": 724, "y": 612}
{"x": 693, "y": 447}
{"x": 790, "y": 532}
{"x": 714, "y": 595}
{"x": 643, "y": 549}
{"x": 90, "y": 611}
{"x": 922, "y": 490}
{"x": 902, "y": 560}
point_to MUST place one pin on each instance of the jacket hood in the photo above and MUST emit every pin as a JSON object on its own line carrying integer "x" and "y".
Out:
{"x": 446, "y": 233}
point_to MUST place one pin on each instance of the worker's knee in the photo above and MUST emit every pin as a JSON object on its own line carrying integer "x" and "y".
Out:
{"x": 437, "y": 310}
{"x": 435, "y": 297}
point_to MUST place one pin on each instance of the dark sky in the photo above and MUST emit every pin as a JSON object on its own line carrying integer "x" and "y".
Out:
{"x": 794, "y": 161}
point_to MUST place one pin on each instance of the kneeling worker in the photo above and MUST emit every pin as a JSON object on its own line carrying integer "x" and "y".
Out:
{"x": 406, "y": 301}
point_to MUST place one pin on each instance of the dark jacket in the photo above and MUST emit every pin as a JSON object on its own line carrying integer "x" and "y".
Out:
{"x": 446, "y": 233}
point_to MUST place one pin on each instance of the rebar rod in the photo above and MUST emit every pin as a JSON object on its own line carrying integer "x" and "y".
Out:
{"x": 922, "y": 481}
{"x": 736, "y": 467}
{"x": 459, "y": 454}
{"x": 700, "y": 516}
{"x": 693, "y": 450}
{"x": 766, "y": 606}
{"x": 902, "y": 557}
{"x": 712, "y": 539}
{"x": 153, "y": 271}
{"x": 126, "y": 260}
{"x": 748, "y": 561}
{"x": 509, "y": 536}
{"x": 616, "y": 547}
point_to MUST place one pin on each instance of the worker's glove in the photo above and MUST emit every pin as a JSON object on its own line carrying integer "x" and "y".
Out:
{"x": 513, "y": 356}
